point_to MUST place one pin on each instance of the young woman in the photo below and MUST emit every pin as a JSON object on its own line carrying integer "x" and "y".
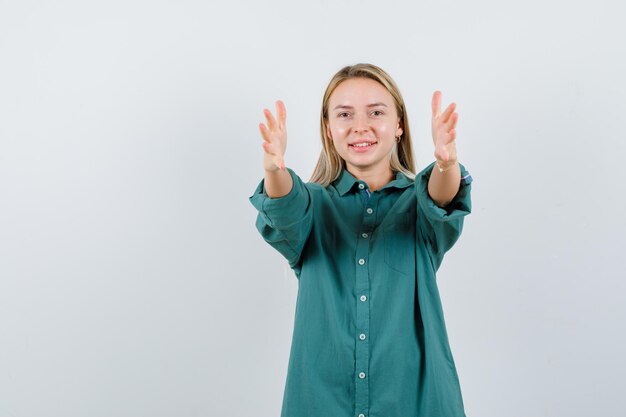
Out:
{"x": 365, "y": 238}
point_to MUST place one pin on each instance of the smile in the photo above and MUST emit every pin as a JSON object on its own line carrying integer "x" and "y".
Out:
{"x": 363, "y": 146}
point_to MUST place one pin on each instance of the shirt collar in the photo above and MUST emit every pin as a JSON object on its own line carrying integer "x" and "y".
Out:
{"x": 346, "y": 181}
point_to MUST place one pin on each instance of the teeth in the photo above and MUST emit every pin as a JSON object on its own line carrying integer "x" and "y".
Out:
{"x": 362, "y": 145}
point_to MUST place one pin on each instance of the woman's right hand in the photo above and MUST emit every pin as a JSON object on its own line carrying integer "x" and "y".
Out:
{"x": 275, "y": 135}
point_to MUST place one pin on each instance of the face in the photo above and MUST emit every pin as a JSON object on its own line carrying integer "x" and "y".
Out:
{"x": 363, "y": 124}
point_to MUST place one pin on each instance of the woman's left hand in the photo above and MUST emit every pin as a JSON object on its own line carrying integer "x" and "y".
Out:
{"x": 444, "y": 133}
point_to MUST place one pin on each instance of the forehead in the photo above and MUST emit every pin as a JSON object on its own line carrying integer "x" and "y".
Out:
{"x": 359, "y": 91}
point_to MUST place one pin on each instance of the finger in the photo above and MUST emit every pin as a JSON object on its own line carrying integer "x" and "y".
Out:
{"x": 441, "y": 154}
{"x": 451, "y": 122}
{"x": 455, "y": 119}
{"x": 271, "y": 122}
{"x": 270, "y": 148}
{"x": 436, "y": 103}
{"x": 444, "y": 154}
{"x": 280, "y": 163}
{"x": 281, "y": 112}
{"x": 264, "y": 132}
{"x": 267, "y": 149}
{"x": 446, "y": 114}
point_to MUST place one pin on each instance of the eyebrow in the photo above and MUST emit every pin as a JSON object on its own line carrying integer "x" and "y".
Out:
{"x": 343, "y": 106}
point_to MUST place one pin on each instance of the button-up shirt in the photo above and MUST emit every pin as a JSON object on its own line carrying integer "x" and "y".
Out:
{"x": 369, "y": 338}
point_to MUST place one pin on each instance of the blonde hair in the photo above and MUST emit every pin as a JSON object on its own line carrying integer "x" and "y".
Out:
{"x": 330, "y": 164}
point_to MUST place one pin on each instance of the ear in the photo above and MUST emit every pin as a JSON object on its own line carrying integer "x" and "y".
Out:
{"x": 328, "y": 133}
{"x": 399, "y": 130}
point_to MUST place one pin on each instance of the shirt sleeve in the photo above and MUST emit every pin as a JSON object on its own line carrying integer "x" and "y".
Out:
{"x": 442, "y": 226}
{"x": 285, "y": 222}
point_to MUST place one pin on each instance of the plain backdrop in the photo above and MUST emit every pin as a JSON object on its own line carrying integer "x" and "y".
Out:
{"x": 132, "y": 279}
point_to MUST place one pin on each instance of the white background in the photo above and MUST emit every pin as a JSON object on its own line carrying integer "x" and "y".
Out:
{"x": 132, "y": 279}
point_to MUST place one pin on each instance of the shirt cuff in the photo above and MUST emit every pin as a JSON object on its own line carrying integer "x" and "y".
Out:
{"x": 282, "y": 211}
{"x": 461, "y": 204}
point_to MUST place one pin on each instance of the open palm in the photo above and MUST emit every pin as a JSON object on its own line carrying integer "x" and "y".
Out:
{"x": 443, "y": 129}
{"x": 275, "y": 135}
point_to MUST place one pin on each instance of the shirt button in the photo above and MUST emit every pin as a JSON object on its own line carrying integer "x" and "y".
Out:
{"x": 362, "y": 375}
{"x": 361, "y": 415}
{"x": 364, "y": 235}
{"x": 369, "y": 210}
{"x": 361, "y": 186}
{"x": 363, "y": 298}
{"x": 361, "y": 261}
{"x": 362, "y": 336}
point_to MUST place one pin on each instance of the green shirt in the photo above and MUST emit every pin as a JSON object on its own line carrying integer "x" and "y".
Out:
{"x": 369, "y": 338}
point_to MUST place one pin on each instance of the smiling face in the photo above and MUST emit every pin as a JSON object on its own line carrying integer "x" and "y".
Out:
{"x": 363, "y": 124}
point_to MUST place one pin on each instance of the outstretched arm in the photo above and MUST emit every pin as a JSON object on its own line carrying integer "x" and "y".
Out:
{"x": 282, "y": 199}
{"x": 445, "y": 177}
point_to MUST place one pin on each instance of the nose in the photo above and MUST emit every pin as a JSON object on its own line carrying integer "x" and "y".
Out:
{"x": 360, "y": 123}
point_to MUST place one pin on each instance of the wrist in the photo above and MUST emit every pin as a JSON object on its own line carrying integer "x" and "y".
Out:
{"x": 444, "y": 166}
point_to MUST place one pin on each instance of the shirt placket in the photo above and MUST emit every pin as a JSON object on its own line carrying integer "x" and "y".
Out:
{"x": 361, "y": 391}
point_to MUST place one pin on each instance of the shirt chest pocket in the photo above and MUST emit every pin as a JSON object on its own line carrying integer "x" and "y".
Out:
{"x": 399, "y": 242}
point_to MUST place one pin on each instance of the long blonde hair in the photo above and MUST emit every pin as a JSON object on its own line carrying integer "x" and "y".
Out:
{"x": 330, "y": 164}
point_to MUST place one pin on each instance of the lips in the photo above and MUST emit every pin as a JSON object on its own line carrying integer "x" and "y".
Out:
{"x": 362, "y": 146}
{"x": 362, "y": 143}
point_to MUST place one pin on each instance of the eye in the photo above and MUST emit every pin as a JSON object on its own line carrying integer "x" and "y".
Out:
{"x": 343, "y": 114}
{"x": 377, "y": 113}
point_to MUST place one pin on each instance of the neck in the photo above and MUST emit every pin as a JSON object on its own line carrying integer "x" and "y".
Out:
{"x": 375, "y": 177}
